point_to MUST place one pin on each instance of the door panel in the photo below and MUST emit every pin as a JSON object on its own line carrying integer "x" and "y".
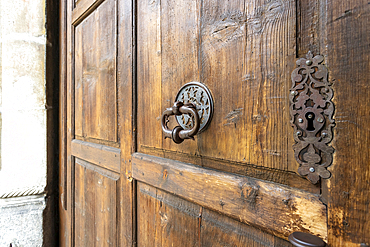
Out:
{"x": 165, "y": 220}
{"x": 95, "y": 74}
{"x": 244, "y": 51}
{"x": 95, "y": 205}
{"x": 99, "y": 185}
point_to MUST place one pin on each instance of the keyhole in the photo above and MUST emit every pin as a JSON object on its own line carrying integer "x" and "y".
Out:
{"x": 310, "y": 117}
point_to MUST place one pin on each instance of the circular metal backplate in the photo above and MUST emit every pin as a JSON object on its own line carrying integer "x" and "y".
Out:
{"x": 198, "y": 94}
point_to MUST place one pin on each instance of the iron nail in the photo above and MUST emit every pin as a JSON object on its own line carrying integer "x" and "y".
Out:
{"x": 300, "y": 120}
{"x": 312, "y": 169}
{"x": 320, "y": 120}
{"x": 308, "y": 62}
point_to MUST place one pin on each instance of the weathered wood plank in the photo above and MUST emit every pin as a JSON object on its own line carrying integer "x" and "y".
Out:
{"x": 126, "y": 118}
{"x": 309, "y": 30}
{"x": 83, "y": 8}
{"x": 180, "y": 29}
{"x": 79, "y": 205}
{"x": 348, "y": 59}
{"x": 273, "y": 175}
{"x": 95, "y": 203}
{"x": 103, "y": 156}
{"x": 105, "y": 211}
{"x": 274, "y": 208}
{"x": 95, "y": 74}
{"x": 220, "y": 230}
{"x": 149, "y": 63}
{"x": 166, "y": 220}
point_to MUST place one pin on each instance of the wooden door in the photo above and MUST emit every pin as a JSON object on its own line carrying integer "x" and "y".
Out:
{"x": 236, "y": 184}
{"x": 96, "y": 185}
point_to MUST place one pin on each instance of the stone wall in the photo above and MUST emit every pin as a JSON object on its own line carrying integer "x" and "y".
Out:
{"x": 23, "y": 121}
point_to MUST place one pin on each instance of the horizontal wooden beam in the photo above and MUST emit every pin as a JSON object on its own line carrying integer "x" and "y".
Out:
{"x": 97, "y": 154}
{"x": 272, "y": 207}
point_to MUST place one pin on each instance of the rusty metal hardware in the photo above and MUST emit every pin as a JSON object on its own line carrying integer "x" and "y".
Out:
{"x": 311, "y": 112}
{"x": 179, "y": 134}
{"x": 302, "y": 239}
{"x": 193, "y": 111}
{"x": 198, "y": 94}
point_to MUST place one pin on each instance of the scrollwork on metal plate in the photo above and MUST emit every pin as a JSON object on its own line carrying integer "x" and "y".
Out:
{"x": 311, "y": 111}
{"x": 198, "y": 94}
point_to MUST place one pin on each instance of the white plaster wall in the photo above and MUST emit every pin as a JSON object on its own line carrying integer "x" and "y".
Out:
{"x": 23, "y": 132}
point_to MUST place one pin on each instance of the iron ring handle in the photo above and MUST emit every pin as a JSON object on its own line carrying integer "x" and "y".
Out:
{"x": 178, "y": 134}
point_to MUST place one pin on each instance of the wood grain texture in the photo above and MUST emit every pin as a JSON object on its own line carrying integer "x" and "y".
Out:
{"x": 221, "y": 43}
{"x": 219, "y": 230}
{"x": 126, "y": 118}
{"x": 166, "y": 220}
{"x": 103, "y": 156}
{"x": 95, "y": 205}
{"x": 83, "y": 8}
{"x": 273, "y": 175}
{"x": 309, "y": 30}
{"x": 180, "y": 29}
{"x": 149, "y": 49}
{"x": 274, "y": 208}
{"x": 95, "y": 74}
{"x": 66, "y": 233}
{"x": 348, "y": 38}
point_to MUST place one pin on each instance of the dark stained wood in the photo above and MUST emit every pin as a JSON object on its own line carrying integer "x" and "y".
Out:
{"x": 309, "y": 28}
{"x": 274, "y": 208}
{"x": 66, "y": 228}
{"x": 103, "y": 156}
{"x": 63, "y": 225}
{"x": 166, "y": 220}
{"x": 95, "y": 74}
{"x": 220, "y": 230}
{"x": 348, "y": 59}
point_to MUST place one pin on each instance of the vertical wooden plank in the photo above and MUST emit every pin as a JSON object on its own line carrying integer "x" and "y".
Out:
{"x": 90, "y": 205}
{"x": 248, "y": 51}
{"x": 222, "y": 51}
{"x": 348, "y": 59}
{"x": 180, "y": 46}
{"x": 67, "y": 232}
{"x": 79, "y": 205}
{"x": 166, "y": 220}
{"x": 308, "y": 27}
{"x": 62, "y": 121}
{"x": 106, "y": 59}
{"x": 126, "y": 126}
{"x": 78, "y": 85}
{"x": 146, "y": 215}
{"x": 219, "y": 230}
{"x": 271, "y": 47}
{"x": 95, "y": 74}
{"x": 105, "y": 217}
{"x": 149, "y": 78}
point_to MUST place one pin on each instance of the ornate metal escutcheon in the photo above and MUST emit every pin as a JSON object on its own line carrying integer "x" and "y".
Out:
{"x": 311, "y": 112}
{"x": 193, "y": 110}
